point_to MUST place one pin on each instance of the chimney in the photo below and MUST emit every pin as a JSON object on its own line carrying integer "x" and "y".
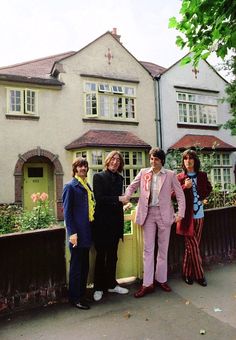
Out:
{"x": 115, "y": 35}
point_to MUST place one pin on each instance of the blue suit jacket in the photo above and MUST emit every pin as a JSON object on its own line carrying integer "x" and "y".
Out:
{"x": 75, "y": 205}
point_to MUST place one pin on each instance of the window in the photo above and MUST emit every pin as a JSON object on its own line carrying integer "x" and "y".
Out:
{"x": 134, "y": 161}
{"x": 197, "y": 108}
{"x": 104, "y": 88}
{"x": 30, "y": 101}
{"x": 81, "y": 154}
{"x": 117, "y": 89}
{"x": 221, "y": 171}
{"x": 117, "y": 107}
{"x": 91, "y": 104}
{"x": 21, "y": 101}
{"x": 109, "y": 101}
{"x": 35, "y": 172}
{"x": 96, "y": 157}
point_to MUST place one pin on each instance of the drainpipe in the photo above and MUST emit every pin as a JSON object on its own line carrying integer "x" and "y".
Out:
{"x": 158, "y": 111}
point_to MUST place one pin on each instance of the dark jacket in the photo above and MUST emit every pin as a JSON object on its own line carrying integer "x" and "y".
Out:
{"x": 75, "y": 205}
{"x": 185, "y": 227}
{"x": 109, "y": 216}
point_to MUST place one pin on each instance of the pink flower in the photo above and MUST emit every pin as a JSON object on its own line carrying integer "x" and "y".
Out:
{"x": 44, "y": 196}
{"x": 35, "y": 197}
{"x": 39, "y": 197}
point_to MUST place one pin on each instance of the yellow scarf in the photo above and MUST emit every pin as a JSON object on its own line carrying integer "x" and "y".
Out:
{"x": 90, "y": 197}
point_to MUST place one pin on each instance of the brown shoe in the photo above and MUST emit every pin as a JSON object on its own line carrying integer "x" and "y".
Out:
{"x": 144, "y": 290}
{"x": 164, "y": 286}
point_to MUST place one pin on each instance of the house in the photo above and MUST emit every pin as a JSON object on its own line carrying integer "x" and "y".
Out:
{"x": 190, "y": 113}
{"x": 98, "y": 99}
{"x": 83, "y": 103}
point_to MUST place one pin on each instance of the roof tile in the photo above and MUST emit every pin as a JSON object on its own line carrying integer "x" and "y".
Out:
{"x": 203, "y": 141}
{"x": 154, "y": 69}
{"x": 38, "y": 68}
{"x": 104, "y": 138}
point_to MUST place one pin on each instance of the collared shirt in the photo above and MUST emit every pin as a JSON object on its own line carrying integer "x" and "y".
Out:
{"x": 155, "y": 188}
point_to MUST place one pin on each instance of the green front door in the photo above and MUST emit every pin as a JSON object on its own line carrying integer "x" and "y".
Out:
{"x": 35, "y": 180}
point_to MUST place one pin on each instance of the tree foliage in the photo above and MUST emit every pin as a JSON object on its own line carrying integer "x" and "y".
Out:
{"x": 207, "y": 26}
{"x": 231, "y": 98}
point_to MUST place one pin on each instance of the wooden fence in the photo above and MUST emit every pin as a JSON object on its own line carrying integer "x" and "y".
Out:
{"x": 32, "y": 268}
{"x": 218, "y": 243}
{"x": 33, "y": 265}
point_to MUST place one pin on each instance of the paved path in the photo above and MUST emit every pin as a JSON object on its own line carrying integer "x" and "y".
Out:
{"x": 180, "y": 315}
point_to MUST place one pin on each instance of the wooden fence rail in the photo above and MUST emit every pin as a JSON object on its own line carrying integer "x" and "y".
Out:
{"x": 33, "y": 265}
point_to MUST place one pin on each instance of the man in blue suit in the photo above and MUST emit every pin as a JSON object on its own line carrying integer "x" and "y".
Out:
{"x": 78, "y": 204}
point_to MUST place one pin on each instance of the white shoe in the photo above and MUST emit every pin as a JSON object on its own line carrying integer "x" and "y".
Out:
{"x": 97, "y": 295}
{"x": 119, "y": 290}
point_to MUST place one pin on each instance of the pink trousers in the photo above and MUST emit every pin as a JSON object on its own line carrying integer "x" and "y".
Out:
{"x": 154, "y": 224}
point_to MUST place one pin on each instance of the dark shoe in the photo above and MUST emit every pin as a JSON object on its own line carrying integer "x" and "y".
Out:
{"x": 202, "y": 282}
{"x": 188, "y": 280}
{"x": 81, "y": 305}
{"x": 164, "y": 286}
{"x": 144, "y": 291}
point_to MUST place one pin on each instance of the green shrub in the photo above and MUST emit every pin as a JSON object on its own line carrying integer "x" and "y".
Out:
{"x": 14, "y": 218}
{"x": 41, "y": 216}
{"x": 9, "y": 215}
{"x": 127, "y": 227}
{"x": 221, "y": 198}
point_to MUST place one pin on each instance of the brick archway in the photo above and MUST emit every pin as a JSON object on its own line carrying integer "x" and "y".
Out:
{"x": 58, "y": 172}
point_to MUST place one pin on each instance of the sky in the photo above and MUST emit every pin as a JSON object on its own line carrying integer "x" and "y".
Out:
{"x": 40, "y": 28}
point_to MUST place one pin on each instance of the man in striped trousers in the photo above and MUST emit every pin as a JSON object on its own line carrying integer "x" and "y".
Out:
{"x": 196, "y": 188}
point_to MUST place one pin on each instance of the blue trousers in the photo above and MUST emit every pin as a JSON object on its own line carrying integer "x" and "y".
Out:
{"x": 79, "y": 268}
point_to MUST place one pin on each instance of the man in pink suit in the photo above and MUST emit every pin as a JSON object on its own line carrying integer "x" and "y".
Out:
{"x": 155, "y": 213}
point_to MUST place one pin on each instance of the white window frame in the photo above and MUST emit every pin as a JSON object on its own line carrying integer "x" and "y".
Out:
{"x": 111, "y": 101}
{"x": 11, "y": 101}
{"x": 197, "y": 109}
{"x": 33, "y": 101}
{"x": 222, "y": 164}
{"x": 104, "y": 88}
{"x": 117, "y": 89}
{"x": 23, "y": 101}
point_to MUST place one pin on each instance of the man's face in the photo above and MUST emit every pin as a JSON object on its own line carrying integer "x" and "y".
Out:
{"x": 114, "y": 163}
{"x": 189, "y": 163}
{"x": 155, "y": 163}
{"x": 81, "y": 171}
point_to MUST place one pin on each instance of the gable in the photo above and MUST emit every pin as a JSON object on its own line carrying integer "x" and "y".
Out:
{"x": 105, "y": 56}
{"x": 204, "y": 77}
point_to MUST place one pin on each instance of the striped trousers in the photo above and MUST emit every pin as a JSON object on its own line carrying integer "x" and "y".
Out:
{"x": 192, "y": 261}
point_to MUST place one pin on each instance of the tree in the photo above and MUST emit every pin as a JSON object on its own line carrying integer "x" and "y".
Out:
{"x": 209, "y": 26}
{"x": 231, "y": 98}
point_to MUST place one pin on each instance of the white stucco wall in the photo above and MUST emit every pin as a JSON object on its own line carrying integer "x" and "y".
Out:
{"x": 207, "y": 79}
{"x": 61, "y": 111}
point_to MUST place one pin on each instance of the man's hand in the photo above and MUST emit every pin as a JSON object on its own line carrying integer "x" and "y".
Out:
{"x": 188, "y": 183}
{"x": 127, "y": 206}
{"x": 124, "y": 199}
{"x": 177, "y": 218}
{"x": 73, "y": 239}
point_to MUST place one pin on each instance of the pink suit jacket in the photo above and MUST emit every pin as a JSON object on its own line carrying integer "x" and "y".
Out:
{"x": 169, "y": 183}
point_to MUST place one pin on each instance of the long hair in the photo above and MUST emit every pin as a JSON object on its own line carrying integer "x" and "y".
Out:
{"x": 192, "y": 154}
{"x": 109, "y": 157}
{"x": 80, "y": 161}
